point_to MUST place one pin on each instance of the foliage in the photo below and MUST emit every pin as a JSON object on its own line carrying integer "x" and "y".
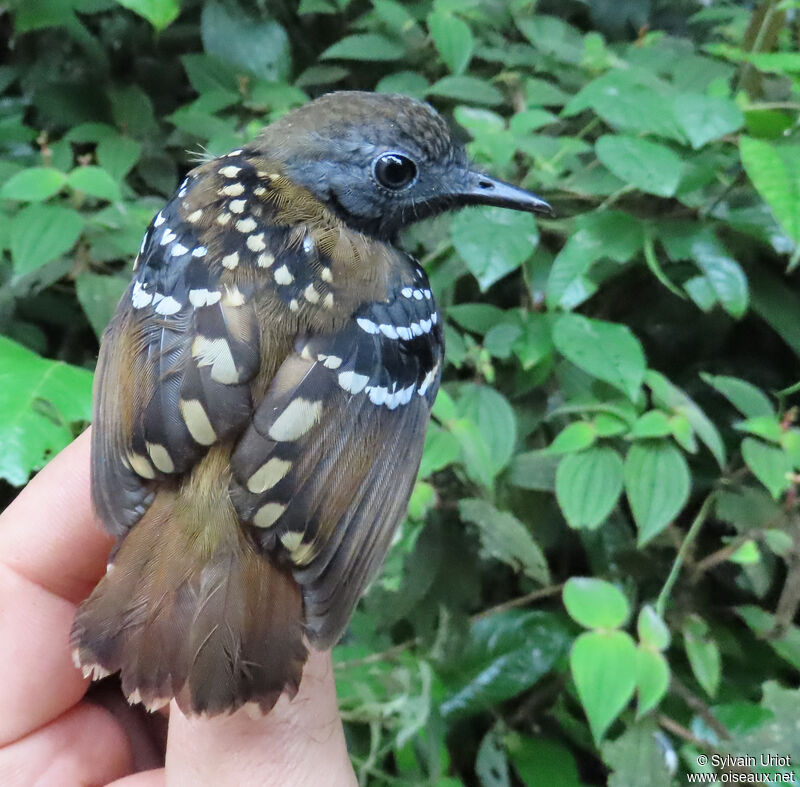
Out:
{"x": 618, "y": 400}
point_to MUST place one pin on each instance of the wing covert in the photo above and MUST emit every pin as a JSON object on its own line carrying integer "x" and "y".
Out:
{"x": 323, "y": 473}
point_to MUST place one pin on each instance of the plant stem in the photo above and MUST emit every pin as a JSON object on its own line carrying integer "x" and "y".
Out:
{"x": 663, "y": 596}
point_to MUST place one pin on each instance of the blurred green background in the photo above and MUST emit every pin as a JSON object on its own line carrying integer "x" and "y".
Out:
{"x": 599, "y": 576}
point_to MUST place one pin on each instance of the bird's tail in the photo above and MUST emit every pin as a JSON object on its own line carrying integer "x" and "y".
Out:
{"x": 188, "y": 609}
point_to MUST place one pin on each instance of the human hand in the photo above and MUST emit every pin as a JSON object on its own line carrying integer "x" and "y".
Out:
{"x": 52, "y": 553}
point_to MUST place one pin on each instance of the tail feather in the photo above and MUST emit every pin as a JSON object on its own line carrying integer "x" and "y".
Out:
{"x": 207, "y": 621}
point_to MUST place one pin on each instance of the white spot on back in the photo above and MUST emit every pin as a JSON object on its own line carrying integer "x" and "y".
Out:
{"x": 203, "y": 297}
{"x": 388, "y": 331}
{"x": 256, "y": 242}
{"x": 216, "y": 353}
{"x": 367, "y": 325}
{"x": 200, "y": 251}
{"x": 265, "y": 260}
{"x": 298, "y": 417}
{"x": 268, "y": 514}
{"x": 352, "y": 381}
{"x": 230, "y": 171}
{"x": 246, "y": 225}
{"x": 197, "y": 422}
{"x": 168, "y": 305}
{"x": 139, "y": 297}
{"x": 283, "y": 275}
{"x": 159, "y": 219}
{"x": 178, "y": 249}
{"x": 268, "y": 475}
{"x": 168, "y": 236}
{"x": 232, "y": 190}
{"x": 237, "y": 205}
{"x": 194, "y": 217}
{"x": 230, "y": 261}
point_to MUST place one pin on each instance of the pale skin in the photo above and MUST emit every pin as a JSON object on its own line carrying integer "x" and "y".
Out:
{"x": 52, "y": 552}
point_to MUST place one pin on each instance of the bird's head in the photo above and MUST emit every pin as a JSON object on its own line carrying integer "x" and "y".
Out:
{"x": 382, "y": 162}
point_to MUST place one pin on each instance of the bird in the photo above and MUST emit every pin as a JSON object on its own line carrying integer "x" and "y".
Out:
{"x": 261, "y": 400}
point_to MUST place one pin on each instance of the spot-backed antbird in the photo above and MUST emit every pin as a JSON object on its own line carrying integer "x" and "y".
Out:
{"x": 261, "y": 400}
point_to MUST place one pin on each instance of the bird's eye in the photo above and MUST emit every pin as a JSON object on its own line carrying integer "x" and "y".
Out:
{"x": 394, "y": 171}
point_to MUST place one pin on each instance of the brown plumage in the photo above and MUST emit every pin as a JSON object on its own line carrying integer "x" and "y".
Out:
{"x": 261, "y": 401}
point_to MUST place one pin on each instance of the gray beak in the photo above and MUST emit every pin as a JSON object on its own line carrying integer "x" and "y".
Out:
{"x": 484, "y": 190}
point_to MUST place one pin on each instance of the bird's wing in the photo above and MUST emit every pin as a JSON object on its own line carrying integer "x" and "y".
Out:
{"x": 323, "y": 473}
{"x": 173, "y": 372}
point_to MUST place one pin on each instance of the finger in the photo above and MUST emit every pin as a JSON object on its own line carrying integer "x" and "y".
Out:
{"x": 50, "y": 534}
{"x": 84, "y": 746}
{"x": 300, "y": 742}
{"x": 156, "y": 778}
{"x": 39, "y": 680}
{"x": 51, "y": 553}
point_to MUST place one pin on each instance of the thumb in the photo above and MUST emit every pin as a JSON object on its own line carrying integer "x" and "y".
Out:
{"x": 300, "y": 741}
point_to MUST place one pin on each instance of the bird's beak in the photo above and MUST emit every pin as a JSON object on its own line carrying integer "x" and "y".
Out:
{"x": 481, "y": 189}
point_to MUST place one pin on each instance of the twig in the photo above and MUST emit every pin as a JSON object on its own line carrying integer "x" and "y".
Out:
{"x": 678, "y": 729}
{"x": 401, "y": 647}
{"x": 663, "y": 596}
{"x": 701, "y": 708}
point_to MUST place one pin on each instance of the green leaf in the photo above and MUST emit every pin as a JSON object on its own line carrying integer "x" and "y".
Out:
{"x": 652, "y": 679}
{"x": 498, "y": 661}
{"x": 603, "y": 665}
{"x": 491, "y": 764}
{"x": 469, "y": 89}
{"x": 769, "y": 464}
{"x": 783, "y": 639}
{"x": 657, "y": 483}
{"x": 637, "y": 757}
{"x": 552, "y": 36}
{"x": 256, "y": 43}
{"x": 595, "y": 603}
{"x": 588, "y": 485}
{"x": 646, "y": 165}
{"x": 491, "y": 412}
{"x": 441, "y": 450}
{"x": 535, "y": 470}
{"x": 651, "y": 629}
{"x": 117, "y": 155}
{"x": 98, "y": 296}
{"x": 654, "y": 423}
{"x": 453, "y": 38}
{"x": 475, "y": 453}
{"x": 704, "y": 118}
{"x": 94, "y": 181}
{"x": 493, "y": 241}
{"x": 723, "y": 273}
{"x": 540, "y": 761}
{"x": 39, "y": 399}
{"x": 703, "y": 654}
{"x": 506, "y": 539}
{"x": 40, "y": 233}
{"x": 364, "y": 46}
{"x": 669, "y": 396}
{"x": 775, "y": 172}
{"x": 604, "y": 234}
{"x": 574, "y": 437}
{"x": 409, "y": 83}
{"x": 160, "y": 13}
{"x": 476, "y": 317}
{"x": 604, "y": 350}
{"x": 632, "y": 101}
{"x": 750, "y": 401}
{"x": 766, "y": 426}
{"x": 33, "y": 184}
